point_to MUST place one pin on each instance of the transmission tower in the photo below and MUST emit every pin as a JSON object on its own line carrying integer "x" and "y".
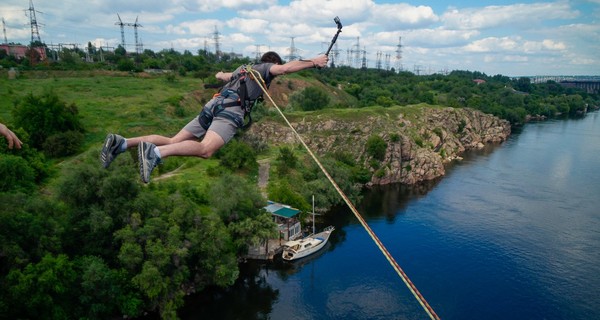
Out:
{"x": 4, "y": 30}
{"x": 349, "y": 57}
{"x": 417, "y": 69}
{"x": 138, "y": 44}
{"x": 217, "y": 37}
{"x": 399, "y": 55}
{"x": 378, "y": 62}
{"x": 334, "y": 55}
{"x": 35, "y": 31}
{"x": 293, "y": 51}
{"x": 258, "y": 52}
{"x": 122, "y": 25}
{"x": 356, "y": 52}
{"x": 364, "y": 58}
{"x": 387, "y": 61}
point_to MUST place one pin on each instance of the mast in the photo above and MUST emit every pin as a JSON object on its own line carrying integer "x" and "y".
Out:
{"x": 313, "y": 213}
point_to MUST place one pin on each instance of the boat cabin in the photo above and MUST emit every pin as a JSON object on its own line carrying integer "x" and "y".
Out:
{"x": 287, "y": 221}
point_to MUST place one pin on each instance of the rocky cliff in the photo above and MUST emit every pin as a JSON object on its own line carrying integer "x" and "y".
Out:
{"x": 419, "y": 139}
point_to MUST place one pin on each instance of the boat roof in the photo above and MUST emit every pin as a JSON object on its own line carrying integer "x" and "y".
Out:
{"x": 281, "y": 210}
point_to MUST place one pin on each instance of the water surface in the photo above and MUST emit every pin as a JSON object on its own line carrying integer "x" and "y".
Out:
{"x": 511, "y": 232}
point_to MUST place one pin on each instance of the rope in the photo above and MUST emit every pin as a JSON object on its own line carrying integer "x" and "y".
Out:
{"x": 413, "y": 289}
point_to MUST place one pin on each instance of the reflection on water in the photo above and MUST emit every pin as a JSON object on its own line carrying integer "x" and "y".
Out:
{"x": 251, "y": 297}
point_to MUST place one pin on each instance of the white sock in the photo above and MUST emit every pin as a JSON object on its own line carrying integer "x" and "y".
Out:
{"x": 157, "y": 152}
{"x": 123, "y": 146}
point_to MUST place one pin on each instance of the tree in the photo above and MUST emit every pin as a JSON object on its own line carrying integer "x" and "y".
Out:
{"x": 311, "y": 99}
{"x": 45, "y": 117}
{"x": 286, "y": 160}
{"x": 524, "y": 84}
{"x": 237, "y": 155}
{"x": 376, "y": 147}
{"x": 44, "y": 290}
{"x": 234, "y": 198}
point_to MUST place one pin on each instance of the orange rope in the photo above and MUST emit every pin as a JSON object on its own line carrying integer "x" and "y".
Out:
{"x": 413, "y": 289}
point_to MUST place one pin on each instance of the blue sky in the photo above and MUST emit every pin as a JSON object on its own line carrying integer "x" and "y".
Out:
{"x": 514, "y": 38}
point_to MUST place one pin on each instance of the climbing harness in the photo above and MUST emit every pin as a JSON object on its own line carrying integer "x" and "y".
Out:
{"x": 237, "y": 94}
{"x": 413, "y": 289}
{"x": 218, "y": 107}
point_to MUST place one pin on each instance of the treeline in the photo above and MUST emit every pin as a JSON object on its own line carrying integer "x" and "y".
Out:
{"x": 507, "y": 98}
{"x": 202, "y": 64}
{"x": 513, "y": 99}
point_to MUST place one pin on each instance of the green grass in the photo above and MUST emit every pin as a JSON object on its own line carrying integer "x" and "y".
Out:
{"x": 127, "y": 105}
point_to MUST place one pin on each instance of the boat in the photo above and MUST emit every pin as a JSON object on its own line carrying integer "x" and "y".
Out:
{"x": 296, "y": 249}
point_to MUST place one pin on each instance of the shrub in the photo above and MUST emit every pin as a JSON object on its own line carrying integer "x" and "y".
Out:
{"x": 63, "y": 143}
{"x": 237, "y": 155}
{"x": 311, "y": 99}
{"x": 47, "y": 116}
{"x": 286, "y": 160}
{"x": 376, "y": 147}
{"x": 16, "y": 174}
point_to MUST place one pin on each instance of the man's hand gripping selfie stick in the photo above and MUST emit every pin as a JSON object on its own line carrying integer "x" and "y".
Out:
{"x": 339, "y": 29}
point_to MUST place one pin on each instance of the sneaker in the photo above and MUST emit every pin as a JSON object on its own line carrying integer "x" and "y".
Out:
{"x": 148, "y": 160}
{"x": 111, "y": 148}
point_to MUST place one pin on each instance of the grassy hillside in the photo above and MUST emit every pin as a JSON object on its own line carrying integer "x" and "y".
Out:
{"x": 110, "y": 103}
{"x": 139, "y": 104}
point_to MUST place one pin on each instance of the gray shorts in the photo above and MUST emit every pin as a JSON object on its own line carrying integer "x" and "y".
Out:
{"x": 224, "y": 127}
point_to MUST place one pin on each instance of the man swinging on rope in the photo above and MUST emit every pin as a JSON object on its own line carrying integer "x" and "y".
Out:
{"x": 216, "y": 124}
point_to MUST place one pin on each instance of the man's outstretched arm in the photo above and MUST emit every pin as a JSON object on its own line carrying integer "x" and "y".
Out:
{"x": 297, "y": 65}
{"x": 224, "y": 76}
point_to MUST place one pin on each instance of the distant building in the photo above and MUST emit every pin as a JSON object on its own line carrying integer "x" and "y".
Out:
{"x": 20, "y": 51}
{"x": 285, "y": 217}
{"x": 289, "y": 229}
{"x": 479, "y": 81}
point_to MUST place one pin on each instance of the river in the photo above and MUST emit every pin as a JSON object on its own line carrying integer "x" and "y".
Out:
{"x": 511, "y": 232}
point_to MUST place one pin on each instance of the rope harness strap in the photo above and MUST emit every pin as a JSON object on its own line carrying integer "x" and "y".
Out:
{"x": 413, "y": 289}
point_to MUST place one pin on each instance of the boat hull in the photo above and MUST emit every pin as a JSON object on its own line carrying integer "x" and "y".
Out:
{"x": 298, "y": 249}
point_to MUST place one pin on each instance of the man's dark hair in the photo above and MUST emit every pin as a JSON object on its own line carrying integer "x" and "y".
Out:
{"x": 271, "y": 57}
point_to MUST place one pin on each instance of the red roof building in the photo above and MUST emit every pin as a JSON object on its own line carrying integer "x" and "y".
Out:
{"x": 20, "y": 51}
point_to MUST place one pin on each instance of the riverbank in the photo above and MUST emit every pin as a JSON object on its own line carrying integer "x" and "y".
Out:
{"x": 419, "y": 139}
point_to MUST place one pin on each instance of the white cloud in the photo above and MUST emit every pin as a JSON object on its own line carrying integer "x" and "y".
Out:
{"x": 199, "y": 27}
{"x": 248, "y": 25}
{"x": 437, "y": 38}
{"x": 522, "y": 15}
{"x": 493, "y": 44}
{"x": 177, "y": 30}
{"x": 515, "y": 58}
{"x": 515, "y": 46}
{"x": 317, "y": 11}
{"x": 553, "y": 45}
{"x": 215, "y": 5}
{"x": 402, "y": 15}
{"x": 239, "y": 38}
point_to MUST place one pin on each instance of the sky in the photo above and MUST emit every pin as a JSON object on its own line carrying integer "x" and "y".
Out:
{"x": 512, "y": 38}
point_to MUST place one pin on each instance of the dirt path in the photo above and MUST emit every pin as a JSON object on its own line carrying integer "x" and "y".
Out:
{"x": 263, "y": 175}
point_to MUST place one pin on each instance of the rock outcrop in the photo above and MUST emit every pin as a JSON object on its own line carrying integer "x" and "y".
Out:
{"x": 419, "y": 142}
